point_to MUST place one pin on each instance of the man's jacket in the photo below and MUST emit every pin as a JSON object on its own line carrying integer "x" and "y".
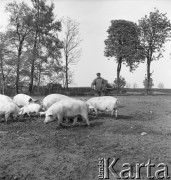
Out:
{"x": 99, "y": 83}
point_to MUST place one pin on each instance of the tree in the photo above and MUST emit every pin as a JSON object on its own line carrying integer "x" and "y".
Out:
{"x": 71, "y": 42}
{"x": 52, "y": 71}
{"x": 6, "y": 64}
{"x": 122, "y": 82}
{"x": 123, "y": 43}
{"x": 108, "y": 85}
{"x": 135, "y": 85}
{"x": 70, "y": 75}
{"x": 128, "y": 85}
{"x": 155, "y": 31}
{"x": 148, "y": 84}
{"x": 44, "y": 36}
{"x": 161, "y": 85}
{"x": 19, "y": 29}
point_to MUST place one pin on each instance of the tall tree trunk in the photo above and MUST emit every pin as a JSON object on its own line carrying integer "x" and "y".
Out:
{"x": 32, "y": 66}
{"x": 31, "y": 77}
{"x": 18, "y": 68}
{"x": 3, "y": 77}
{"x": 118, "y": 73}
{"x": 148, "y": 75}
{"x": 34, "y": 51}
{"x": 63, "y": 80}
{"x": 39, "y": 77}
{"x": 66, "y": 75}
{"x": 17, "y": 77}
{"x": 3, "y": 84}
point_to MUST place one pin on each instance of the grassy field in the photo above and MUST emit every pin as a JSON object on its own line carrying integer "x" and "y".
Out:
{"x": 31, "y": 150}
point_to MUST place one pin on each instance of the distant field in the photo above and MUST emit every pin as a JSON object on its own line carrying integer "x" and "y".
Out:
{"x": 154, "y": 90}
{"x": 31, "y": 150}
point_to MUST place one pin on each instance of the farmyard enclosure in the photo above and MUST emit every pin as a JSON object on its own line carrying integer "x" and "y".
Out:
{"x": 32, "y": 150}
{"x": 49, "y": 47}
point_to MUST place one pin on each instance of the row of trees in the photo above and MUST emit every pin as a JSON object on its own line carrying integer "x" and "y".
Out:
{"x": 131, "y": 44}
{"x": 32, "y": 47}
{"x": 124, "y": 84}
{"x": 33, "y": 44}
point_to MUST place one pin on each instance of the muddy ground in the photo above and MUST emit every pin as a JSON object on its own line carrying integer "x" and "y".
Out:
{"x": 31, "y": 150}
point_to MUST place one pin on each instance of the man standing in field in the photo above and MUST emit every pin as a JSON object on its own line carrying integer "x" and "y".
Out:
{"x": 99, "y": 85}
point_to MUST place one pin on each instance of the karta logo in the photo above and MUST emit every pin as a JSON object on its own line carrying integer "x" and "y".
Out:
{"x": 107, "y": 168}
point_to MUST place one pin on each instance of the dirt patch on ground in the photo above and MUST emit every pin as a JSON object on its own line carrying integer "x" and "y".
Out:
{"x": 32, "y": 150}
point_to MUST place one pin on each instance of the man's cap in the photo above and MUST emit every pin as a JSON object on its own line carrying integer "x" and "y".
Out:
{"x": 98, "y": 74}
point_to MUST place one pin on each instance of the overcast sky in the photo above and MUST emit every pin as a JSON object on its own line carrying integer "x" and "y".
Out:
{"x": 94, "y": 17}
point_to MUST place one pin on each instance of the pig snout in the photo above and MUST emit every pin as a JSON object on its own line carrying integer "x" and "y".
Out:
{"x": 47, "y": 120}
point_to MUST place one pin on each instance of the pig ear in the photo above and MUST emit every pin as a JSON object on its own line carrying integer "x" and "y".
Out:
{"x": 30, "y": 100}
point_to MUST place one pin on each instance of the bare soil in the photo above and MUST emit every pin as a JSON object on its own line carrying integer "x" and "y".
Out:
{"x": 32, "y": 150}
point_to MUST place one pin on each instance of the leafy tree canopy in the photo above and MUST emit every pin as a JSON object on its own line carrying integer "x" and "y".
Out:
{"x": 123, "y": 43}
{"x": 145, "y": 83}
{"x": 122, "y": 82}
{"x": 155, "y": 31}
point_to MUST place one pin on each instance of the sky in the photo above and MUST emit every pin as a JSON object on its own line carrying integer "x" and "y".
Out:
{"x": 94, "y": 17}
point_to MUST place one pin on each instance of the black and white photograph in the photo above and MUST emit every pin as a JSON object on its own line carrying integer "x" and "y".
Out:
{"x": 85, "y": 89}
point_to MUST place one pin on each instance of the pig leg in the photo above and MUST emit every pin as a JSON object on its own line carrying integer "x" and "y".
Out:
{"x": 15, "y": 117}
{"x": 96, "y": 112}
{"x": 28, "y": 114}
{"x": 75, "y": 120}
{"x": 6, "y": 117}
{"x": 85, "y": 117}
{"x": 114, "y": 111}
{"x": 67, "y": 120}
{"x": 60, "y": 118}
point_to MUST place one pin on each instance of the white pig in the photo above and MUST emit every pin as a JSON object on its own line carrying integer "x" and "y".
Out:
{"x": 51, "y": 99}
{"x": 9, "y": 108}
{"x": 4, "y": 98}
{"x": 30, "y": 108}
{"x": 103, "y": 103}
{"x": 23, "y": 99}
{"x": 67, "y": 108}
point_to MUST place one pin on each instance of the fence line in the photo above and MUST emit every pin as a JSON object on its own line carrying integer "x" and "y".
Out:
{"x": 76, "y": 91}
